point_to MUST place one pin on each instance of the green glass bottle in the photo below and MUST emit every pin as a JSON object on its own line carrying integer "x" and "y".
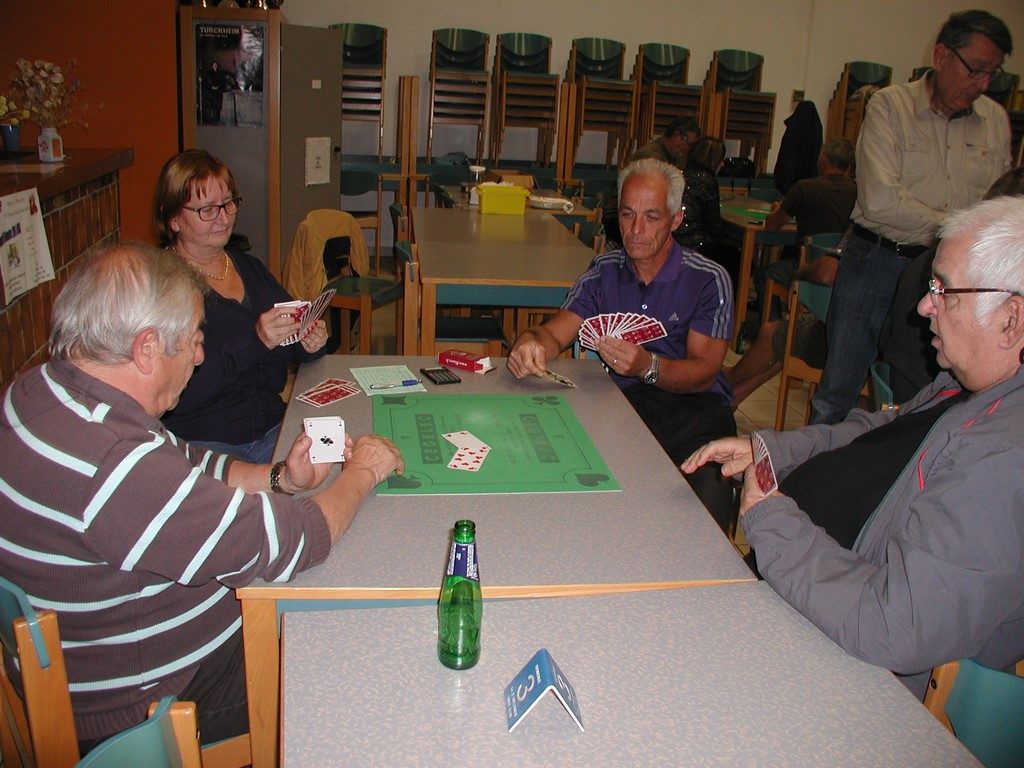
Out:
{"x": 460, "y": 607}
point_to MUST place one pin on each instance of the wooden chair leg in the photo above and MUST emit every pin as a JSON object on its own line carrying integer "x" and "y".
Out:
{"x": 365, "y": 325}
{"x": 344, "y": 333}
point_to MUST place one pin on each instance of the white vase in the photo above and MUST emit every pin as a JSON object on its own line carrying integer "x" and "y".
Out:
{"x": 51, "y": 146}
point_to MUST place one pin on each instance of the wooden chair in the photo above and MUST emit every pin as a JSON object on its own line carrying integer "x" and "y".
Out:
{"x": 846, "y": 114}
{"x": 525, "y": 92}
{"x": 37, "y": 730}
{"x": 364, "y": 70}
{"x": 660, "y": 72}
{"x": 479, "y": 335}
{"x": 168, "y": 739}
{"x": 356, "y": 184}
{"x": 458, "y": 83}
{"x": 982, "y": 707}
{"x": 604, "y": 101}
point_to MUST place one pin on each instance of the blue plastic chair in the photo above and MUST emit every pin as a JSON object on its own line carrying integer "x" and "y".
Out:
{"x": 983, "y": 707}
{"x": 168, "y": 739}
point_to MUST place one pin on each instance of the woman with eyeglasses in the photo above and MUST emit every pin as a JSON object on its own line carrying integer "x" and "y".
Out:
{"x": 232, "y": 403}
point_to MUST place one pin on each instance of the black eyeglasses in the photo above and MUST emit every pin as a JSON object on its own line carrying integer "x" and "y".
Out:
{"x": 935, "y": 290}
{"x": 978, "y": 74}
{"x": 212, "y": 211}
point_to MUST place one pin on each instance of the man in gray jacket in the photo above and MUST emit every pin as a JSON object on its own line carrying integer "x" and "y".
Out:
{"x": 901, "y": 535}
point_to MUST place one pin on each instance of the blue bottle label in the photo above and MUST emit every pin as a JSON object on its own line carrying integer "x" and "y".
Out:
{"x": 462, "y": 561}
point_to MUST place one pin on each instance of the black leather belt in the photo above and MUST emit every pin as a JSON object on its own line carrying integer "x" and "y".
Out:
{"x": 908, "y": 250}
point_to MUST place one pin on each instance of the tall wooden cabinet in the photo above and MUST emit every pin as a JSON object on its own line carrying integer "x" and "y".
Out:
{"x": 265, "y": 97}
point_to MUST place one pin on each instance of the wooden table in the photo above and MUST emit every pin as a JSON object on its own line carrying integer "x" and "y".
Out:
{"x": 654, "y": 534}
{"x": 727, "y": 675}
{"x": 471, "y": 259}
{"x": 746, "y": 232}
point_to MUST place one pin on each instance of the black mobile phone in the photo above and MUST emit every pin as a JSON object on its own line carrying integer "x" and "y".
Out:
{"x": 440, "y": 375}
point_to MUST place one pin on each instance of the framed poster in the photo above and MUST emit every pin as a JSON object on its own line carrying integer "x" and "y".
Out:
{"x": 229, "y": 73}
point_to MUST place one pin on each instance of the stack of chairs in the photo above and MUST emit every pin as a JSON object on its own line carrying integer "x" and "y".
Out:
{"x": 845, "y": 113}
{"x": 364, "y": 68}
{"x": 604, "y": 101}
{"x": 525, "y": 92}
{"x": 660, "y": 74}
{"x": 458, "y": 83}
{"x": 734, "y": 106}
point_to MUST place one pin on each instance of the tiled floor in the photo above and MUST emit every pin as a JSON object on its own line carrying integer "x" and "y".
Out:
{"x": 758, "y": 410}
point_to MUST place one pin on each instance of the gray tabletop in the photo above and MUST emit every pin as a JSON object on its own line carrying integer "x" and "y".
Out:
{"x": 465, "y": 246}
{"x": 654, "y": 530}
{"x": 724, "y": 675}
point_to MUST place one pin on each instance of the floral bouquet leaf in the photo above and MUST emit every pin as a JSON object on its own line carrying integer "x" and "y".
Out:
{"x": 47, "y": 93}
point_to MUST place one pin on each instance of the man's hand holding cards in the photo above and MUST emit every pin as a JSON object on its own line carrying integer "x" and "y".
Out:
{"x": 764, "y": 472}
{"x": 628, "y": 326}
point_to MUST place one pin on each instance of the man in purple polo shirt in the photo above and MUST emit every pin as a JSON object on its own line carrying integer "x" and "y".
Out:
{"x": 675, "y": 383}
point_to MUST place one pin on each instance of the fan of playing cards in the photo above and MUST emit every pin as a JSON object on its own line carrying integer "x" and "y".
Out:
{"x": 308, "y": 313}
{"x": 628, "y": 326}
{"x": 470, "y": 451}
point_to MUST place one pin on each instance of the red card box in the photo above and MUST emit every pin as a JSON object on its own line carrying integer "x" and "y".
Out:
{"x": 465, "y": 361}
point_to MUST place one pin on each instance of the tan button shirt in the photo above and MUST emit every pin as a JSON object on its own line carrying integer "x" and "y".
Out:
{"x": 915, "y": 166}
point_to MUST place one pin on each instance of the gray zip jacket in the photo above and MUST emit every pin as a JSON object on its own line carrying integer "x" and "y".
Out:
{"x": 937, "y": 572}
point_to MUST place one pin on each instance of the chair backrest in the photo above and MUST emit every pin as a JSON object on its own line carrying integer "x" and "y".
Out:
{"x": 460, "y": 49}
{"x": 739, "y": 70}
{"x": 1001, "y": 88}
{"x": 663, "y": 63}
{"x": 358, "y": 182}
{"x": 523, "y": 52}
{"x": 918, "y": 72}
{"x": 867, "y": 73}
{"x": 815, "y": 297}
{"x": 595, "y": 57}
{"x": 43, "y": 729}
{"x": 364, "y": 45}
{"x": 591, "y": 234}
{"x": 819, "y": 245}
{"x": 882, "y": 391}
{"x": 983, "y": 707}
{"x": 168, "y": 739}
{"x": 442, "y": 197}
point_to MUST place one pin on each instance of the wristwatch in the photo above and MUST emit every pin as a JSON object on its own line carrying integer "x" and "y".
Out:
{"x": 651, "y": 377}
{"x": 275, "y": 477}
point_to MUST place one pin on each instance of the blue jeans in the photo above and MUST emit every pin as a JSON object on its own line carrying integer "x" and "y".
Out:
{"x": 257, "y": 452}
{"x": 863, "y": 291}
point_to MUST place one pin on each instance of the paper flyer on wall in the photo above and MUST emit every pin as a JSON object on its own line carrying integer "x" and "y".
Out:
{"x": 25, "y": 260}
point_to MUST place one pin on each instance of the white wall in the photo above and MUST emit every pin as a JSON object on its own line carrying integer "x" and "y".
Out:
{"x": 805, "y": 43}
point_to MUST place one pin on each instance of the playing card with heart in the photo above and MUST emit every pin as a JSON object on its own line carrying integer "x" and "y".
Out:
{"x": 471, "y": 450}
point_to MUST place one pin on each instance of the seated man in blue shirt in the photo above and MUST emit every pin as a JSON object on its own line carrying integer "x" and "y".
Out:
{"x": 674, "y": 383}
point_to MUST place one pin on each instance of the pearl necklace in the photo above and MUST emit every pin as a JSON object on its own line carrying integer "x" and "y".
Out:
{"x": 195, "y": 266}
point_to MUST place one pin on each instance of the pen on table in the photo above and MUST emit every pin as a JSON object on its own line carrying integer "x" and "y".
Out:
{"x": 397, "y": 384}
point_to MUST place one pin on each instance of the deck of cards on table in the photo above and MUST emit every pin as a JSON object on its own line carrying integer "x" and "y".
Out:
{"x": 465, "y": 361}
{"x": 470, "y": 451}
{"x": 628, "y": 326}
{"x": 306, "y": 313}
{"x": 328, "y": 391}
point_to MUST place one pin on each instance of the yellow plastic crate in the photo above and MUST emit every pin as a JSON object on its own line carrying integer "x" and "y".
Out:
{"x": 500, "y": 199}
